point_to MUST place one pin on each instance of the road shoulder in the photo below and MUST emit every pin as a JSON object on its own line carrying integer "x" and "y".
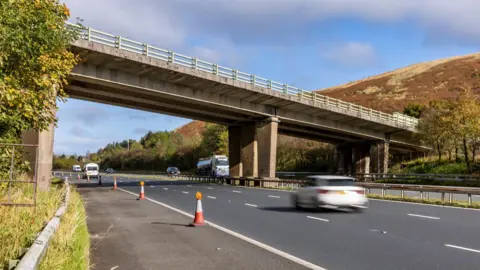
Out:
{"x": 133, "y": 234}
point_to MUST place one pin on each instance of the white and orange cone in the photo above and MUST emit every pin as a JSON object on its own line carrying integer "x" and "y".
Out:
{"x": 142, "y": 192}
{"x": 198, "y": 220}
{"x": 114, "y": 183}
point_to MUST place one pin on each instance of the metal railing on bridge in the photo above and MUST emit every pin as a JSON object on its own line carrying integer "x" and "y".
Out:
{"x": 92, "y": 35}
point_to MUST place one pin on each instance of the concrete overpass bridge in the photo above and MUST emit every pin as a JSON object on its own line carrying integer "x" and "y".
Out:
{"x": 119, "y": 71}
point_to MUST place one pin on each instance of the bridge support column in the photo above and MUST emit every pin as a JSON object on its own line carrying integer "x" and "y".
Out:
{"x": 249, "y": 153}
{"x": 343, "y": 159}
{"x": 44, "y": 161}
{"x": 267, "y": 148}
{"x": 361, "y": 156}
{"x": 382, "y": 157}
{"x": 235, "y": 151}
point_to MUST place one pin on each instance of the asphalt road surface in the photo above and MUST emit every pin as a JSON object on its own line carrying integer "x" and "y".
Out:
{"x": 388, "y": 235}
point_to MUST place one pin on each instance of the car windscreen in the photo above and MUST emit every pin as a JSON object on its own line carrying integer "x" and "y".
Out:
{"x": 340, "y": 182}
{"x": 92, "y": 168}
{"x": 222, "y": 162}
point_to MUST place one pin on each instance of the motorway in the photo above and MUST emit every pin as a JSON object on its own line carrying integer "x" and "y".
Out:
{"x": 388, "y": 235}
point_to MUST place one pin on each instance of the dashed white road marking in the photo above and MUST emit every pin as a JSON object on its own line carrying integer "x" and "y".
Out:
{"x": 283, "y": 254}
{"x": 211, "y": 197}
{"x": 236, "y": 191}
{"x": 316, "y": 218}
{"x": 185, "y": 192}
{"x": 165, "y": 188}
{"x": 189, "y": 185}
{"x": 422, "y": 216}
{"x": 273, "y": 196}
{"x": 209, "y": 188}
{"x": 463, "y": 248}
{"x": 252, "y": 205}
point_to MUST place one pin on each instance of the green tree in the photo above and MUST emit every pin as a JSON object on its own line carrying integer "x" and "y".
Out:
{"x": 34, "y": 64}
{"x": 414, "y": 110}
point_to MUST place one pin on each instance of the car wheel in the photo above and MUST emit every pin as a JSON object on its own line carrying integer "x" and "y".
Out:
{"x": 295, "y": 203}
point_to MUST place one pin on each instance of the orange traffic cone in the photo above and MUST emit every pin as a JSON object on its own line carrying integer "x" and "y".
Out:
{"x": 142, "y": 192}
{"x": 114, "y": 183}
{"x": 198, "y": 220}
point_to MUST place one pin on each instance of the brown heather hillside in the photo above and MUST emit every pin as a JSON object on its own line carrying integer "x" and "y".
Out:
{"x": 418, "y": 83}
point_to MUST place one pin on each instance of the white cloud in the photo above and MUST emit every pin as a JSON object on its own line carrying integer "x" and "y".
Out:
{"x": 350, "y": 55}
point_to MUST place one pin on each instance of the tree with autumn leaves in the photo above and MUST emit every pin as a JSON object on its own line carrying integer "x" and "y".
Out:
{"x": 453, "y": 124}
{"x": 34, "y": 63}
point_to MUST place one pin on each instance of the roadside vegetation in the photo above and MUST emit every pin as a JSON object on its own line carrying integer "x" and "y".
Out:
{"x": 69, "y": 248}
{"x": 20, "y": 225}
{"x": 156, "y": 151}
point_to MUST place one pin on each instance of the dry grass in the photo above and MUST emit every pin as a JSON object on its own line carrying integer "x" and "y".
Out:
{"x": 20, "y": 225}
{"x": 69, "y": 248}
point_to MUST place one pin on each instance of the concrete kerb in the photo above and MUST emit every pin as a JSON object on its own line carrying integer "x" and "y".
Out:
{"x": 36, "y": 252}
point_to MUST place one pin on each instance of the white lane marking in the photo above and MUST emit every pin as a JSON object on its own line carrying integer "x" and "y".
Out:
{"x": 240, "y": 236}
{"x": 421, "y": 216}
{"x": 189, "y": 185}
{"x": 165, "y": 188}
{"x": 463, "y": 248}
{"x": 425, "y": 204}
{"x": 321, "y": 219}
{"x": 152, "y": 186}
{"x": 252, "y": 205}
{"x": 211, "y": 197}
{"x": 209, "y": 188}
{"x": 236, "y": 191}
{"x": 272, "y": 196}
{"x": 185, "y": 192}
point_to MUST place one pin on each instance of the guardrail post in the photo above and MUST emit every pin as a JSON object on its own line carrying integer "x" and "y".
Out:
{"x": 269, "y": 84}
{"x": 469, "y": 199}
{"x": 89, "y": 32}
{"x": 402, "y": 193}
{"x": 450, "y": 197}
{"x": 327, "y": 100}
{"x": 215, "y": 69}
{"x": 314, "y": 96}
{"x": 369, "y": 191}
{"x": 285, "y": 88}
{"x": 300, "y": 91}
{"x": 118, "y": 41}
{"x": 421, "y": 195}
{"x": 253, "y": 78}
{"x": 171, "y": 56}
{"x": 235, "y": 74}
{"x": 443, "y": 197}
{"x": 145, "y": 49}
{"x": 383, "y": 193}
{"x": 194, "y": 63}
{"x": 427, "y": 195}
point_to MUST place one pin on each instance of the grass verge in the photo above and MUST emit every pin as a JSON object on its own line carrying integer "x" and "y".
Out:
{"x": 69, "y": 248}
{"x": 462, "y": 204}
{"x": 20, "y": 225}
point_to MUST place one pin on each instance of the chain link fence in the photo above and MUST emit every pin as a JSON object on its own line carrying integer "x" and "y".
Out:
{"x": 18, "y": 179}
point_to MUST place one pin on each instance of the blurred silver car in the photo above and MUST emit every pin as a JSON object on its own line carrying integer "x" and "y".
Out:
{"x": 330, "y": 191}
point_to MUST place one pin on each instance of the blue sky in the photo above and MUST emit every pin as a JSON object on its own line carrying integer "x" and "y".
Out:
{"x": 311, "y": 44}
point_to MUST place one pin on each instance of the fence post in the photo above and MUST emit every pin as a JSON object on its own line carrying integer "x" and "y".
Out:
{"x": 402, "y": 193}
{"x": 450, "y": 197}
{"x": 171, "y": 56}
{"x": 145, "y": 49}
{"x": 215, "y": 69}
{"x": 469, "y": 199}
{"x": 194, "y": 63}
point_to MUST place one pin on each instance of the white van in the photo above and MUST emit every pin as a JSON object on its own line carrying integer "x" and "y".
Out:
{"x": 90, "y": 170}
{"x": 76, "y": 168}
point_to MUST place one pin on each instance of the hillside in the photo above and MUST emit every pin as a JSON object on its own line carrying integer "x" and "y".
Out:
{"x": 418, "y": 83}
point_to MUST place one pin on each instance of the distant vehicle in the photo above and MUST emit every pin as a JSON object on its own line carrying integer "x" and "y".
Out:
{"x": 204, "y": 166}
{"x": 330, "y": 191}
{"x": 220, "y": 166}
{"x": 76, "y": 168}
{"x": 90, "y": 170}
{"x": 215, "y": 166}
{"x": 173, "y": 171}
{"x": 109, "y": 170}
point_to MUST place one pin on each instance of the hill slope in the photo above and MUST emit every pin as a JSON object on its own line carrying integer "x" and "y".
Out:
{"x": 418, "y": 83}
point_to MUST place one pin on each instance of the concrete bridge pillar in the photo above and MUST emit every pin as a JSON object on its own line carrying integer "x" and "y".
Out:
{"x": 235, "y": 151}
{"x": 361, "y": 157}
{"x": 249, "y": 153}
{"x": 382, "y": 157}
{"x": 44, "y": 161}
{"x": 267, "y": 132}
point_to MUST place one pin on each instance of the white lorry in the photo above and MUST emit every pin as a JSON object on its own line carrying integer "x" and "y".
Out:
{"x": 90, "y": 170}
